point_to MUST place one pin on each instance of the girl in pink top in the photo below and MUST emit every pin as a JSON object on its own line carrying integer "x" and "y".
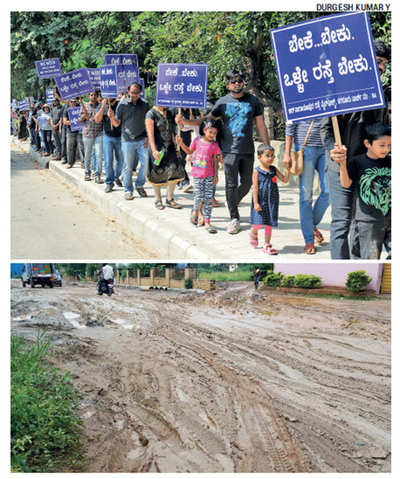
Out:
{"x": 203, "y": 151}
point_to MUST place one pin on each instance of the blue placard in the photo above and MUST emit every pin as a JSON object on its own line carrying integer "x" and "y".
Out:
{"x": 121, "y": 59}
{"x": 94, "y": 75}
{"x": 50, "y": 97}
{"x": 130, "y": 75}
{"x": 327, "y": 66}
{"x": 48, "y": 68}
{"x": 23, "y": 105}
{"x": 182, "y": 85}
{"x": 108, "y": 81}
{"x": 73, "y": 114}
{"x": 73, "y": 84}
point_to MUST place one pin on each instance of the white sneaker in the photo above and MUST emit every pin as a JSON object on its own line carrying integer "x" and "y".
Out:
{"x": 233, "y": 227}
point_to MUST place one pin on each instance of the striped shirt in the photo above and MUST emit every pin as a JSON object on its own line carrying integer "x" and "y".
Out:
{"x": 299, "y": 131}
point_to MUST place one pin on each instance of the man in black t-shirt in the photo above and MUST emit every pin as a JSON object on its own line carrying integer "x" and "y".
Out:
{"x": 237, "y": 110}
{"x": 111, "y": 143}
{"x": 56, "y": 120}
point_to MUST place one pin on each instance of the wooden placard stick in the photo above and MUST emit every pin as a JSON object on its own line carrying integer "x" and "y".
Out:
{"x": 336, "y": 131}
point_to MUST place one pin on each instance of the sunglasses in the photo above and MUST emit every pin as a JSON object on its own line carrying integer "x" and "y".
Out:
{"x": 237, "y": 81}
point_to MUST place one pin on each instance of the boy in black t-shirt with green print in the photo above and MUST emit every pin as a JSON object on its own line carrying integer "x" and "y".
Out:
{"x": 371, "y": 174}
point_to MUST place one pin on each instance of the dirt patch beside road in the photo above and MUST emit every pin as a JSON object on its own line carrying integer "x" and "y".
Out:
{"x": 227, "y": 381}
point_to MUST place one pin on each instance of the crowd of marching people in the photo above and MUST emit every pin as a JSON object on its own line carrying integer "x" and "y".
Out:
{"x": 137, "y": 143}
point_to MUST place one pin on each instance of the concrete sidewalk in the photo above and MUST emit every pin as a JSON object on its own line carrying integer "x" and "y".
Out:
{"x": 170, "y": 232}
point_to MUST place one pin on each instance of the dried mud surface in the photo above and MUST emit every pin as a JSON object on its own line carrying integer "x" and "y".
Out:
{"x": 227, "y": 381}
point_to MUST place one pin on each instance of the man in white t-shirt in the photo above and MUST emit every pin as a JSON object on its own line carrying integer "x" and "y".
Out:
{"x": 108, "y": 272}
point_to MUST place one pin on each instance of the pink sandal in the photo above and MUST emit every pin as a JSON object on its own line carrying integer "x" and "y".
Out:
{"x": 253, "y": 239}
{"x": 268, "y": 249}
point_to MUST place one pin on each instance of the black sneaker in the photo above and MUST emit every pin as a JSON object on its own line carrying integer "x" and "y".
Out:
{"x": 118, "y": 182}
{"x": 142, "y": 192}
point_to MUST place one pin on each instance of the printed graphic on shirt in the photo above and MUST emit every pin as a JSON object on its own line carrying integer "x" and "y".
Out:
{"x": 237, "y": 113}
{"x": 200, "y": 163}
{"x": 375, "y": 188}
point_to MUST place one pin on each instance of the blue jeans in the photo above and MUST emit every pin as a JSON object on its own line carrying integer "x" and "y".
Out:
{"x": 96, "y": 145}
{"x": 311, "y": 215}
{"x": 111, "y": 145}
{"x": 129, "y": 148}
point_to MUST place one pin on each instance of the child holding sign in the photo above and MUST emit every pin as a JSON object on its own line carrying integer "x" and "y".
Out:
{"x": 204, "y": 151}
{"x": 265, "y": 198}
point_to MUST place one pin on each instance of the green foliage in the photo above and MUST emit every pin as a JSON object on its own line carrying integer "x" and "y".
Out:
{"x": 224, "y": 276}
{"x": 308, "y": 281}
{"x": 357, "y": 281}
{"x": 288, "y": 281}
{"x": 223, "y": 40}
{"x": 45, "y": 428}
{"x": 273, "y": 279}
{"x": 188, "y": 283}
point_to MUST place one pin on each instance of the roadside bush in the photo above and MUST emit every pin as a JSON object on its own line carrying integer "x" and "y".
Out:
{"x": 273, "y": 279}
{"x": 287, "y": 281}
{"x": 357, "y": 281}
{"x": 308, "y": 281}
{"x": 188, "y": 283}
{"x": 45, "y": 428}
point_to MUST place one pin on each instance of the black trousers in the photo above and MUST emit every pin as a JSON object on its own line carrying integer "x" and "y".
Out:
{"x": 237, "y": 166}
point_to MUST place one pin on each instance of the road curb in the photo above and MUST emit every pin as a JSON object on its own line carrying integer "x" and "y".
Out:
{"x": 142, "y": 224}
{"x": 43, "y": 161}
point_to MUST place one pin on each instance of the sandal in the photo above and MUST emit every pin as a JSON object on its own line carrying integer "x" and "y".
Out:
{"x": 159, "y": 205}
{"x": 194, "y": 218}
{"x": 268, "y": 249}
{"x": 309, "y": 248}
{"x": 173, "y": 204}
{"x": 318, "y": 238}
{"x": 200, "y": 221}
{"x": 215, "y": 203}
{"x": 253, "y": 239}
{"x": 210, "y": 229}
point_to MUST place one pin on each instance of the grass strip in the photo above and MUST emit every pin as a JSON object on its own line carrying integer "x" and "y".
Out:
{"x": 46, "y": 431}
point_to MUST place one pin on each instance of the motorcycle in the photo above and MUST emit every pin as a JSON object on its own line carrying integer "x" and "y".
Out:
{"x": 105, "y": 286}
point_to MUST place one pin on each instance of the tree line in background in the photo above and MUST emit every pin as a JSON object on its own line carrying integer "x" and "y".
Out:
{"x": 81, "y": 270}
{"x": 223, "y": 40}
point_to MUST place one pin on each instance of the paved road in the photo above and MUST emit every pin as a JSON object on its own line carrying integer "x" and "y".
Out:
{"x": 53, "y": 221}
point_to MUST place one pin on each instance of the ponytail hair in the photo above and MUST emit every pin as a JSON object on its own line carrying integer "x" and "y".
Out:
{"x": 206, "y": 124}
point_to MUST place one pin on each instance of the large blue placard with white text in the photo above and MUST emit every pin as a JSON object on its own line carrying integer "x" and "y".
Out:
{"x": 182, "y": 85}
{"x": 327, "y": 66}
{"x": 74, "y": 84}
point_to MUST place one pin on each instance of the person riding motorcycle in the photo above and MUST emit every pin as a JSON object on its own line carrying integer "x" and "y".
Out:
{"x": 106, "y": 279}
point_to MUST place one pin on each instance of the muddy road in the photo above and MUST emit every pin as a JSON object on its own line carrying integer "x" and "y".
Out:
{"x": 227, "y": 381}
